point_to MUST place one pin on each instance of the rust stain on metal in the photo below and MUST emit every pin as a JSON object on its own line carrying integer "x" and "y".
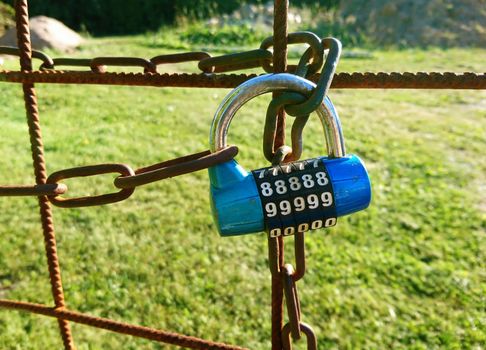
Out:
{"x": 394, "y": 80}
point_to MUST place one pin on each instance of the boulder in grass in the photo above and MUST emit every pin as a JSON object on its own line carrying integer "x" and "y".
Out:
{"x": 46, "y": 33}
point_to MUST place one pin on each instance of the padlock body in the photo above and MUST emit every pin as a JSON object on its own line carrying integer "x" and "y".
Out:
{"x": 237, "y": 207}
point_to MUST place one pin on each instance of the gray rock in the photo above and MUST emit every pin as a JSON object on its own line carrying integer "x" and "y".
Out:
{"x": 46, "y": 33}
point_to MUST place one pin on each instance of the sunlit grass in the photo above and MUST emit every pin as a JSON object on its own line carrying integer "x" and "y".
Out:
{"x": 408, "y": 273}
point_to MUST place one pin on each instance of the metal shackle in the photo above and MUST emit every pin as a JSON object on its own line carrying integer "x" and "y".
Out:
{"x": 271, "y": 83}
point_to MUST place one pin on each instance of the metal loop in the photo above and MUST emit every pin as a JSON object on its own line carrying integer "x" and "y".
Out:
{"x": 304, "y": 68}
{"x": 90, "y": 171}
{"x": 147, "y": 65}
{"x": 15, "y": 51}
{"x": 299, "y": 249}
{"x": 181, "y": 57}
{"x": 307, "y": 107}
{"x": 292, "y": 300}
{"x": 176, "y": 167}
{"x": 271, "y": 126}
{"x": 35, "y": 190}
{"x": 304, "y": 328}
{"x": 72, "y": 62}
{"x": 235, "y": 61}
{"x": 299, "y": 38}
{"x": 270, "y": 83}
{"x": 280, "y": 154}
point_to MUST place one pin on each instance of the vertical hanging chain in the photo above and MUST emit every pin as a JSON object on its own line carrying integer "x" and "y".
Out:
{"x": 276, "y": 245}
{"x": 32, "y": 111}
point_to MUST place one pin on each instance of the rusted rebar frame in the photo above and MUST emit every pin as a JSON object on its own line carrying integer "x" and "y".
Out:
{"x": 37, "y": 148}
{"x": 27, "y": 77}
{"x": 280, "y": 32}
{"x": 367, "y": 80}
{"x": 118, "y": 327}
{"x": 59, "y": 310}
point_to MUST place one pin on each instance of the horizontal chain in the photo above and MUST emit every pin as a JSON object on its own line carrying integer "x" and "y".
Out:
{"x": 118, "y": 327}
{"x": 126, "y": 182}
{"x": 176, "y": 167}
{"x": 407, "y": 80}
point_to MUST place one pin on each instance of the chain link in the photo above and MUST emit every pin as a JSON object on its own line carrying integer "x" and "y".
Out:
{"x": 72, "y": 62}
{"x": 90, "y": 170}
{"x": 127, "y": 181}
{"x": 304, "y": 328}
{"x": 270, "y": 128}
{"x": 15, "y": 51}
{"x": 298, "y": 38}
{"x": 181, "y": 57}
{"x": 334, "y": 52}
{"x": 235, "y": 61}
{"x": 98, "y": 62}
{"x": 176, "y": 167}
{"x": 292, "y": 300}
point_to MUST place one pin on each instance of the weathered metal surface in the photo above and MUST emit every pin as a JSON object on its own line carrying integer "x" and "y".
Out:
{"x": 118, "y": 327}
{"x": 367, "y": 80}
{"x": 176, "y": 167}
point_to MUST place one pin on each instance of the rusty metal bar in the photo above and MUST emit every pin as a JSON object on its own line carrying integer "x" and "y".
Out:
{"x": 37, "y": 150}
{"x": 280, "y": 40}
{"x": 393, "y": 80}
{"x": 118, "y": 327}
{"x": 35, "y": 190}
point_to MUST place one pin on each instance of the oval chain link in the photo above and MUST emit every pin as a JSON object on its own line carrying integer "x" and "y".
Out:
{"x": 15, "y": 51}
{"x": 73, "y": 62}
{"x": 98, "y": 62}
{"x": 235, "y": 61}
{"x": 334, "y": 52}
{"x": 90, "y": 170}
{"x": 299, "y": 38}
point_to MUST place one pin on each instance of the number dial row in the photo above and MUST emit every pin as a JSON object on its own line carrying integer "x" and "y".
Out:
{"x": 296, "y": 197}
{"x": 294, "y": 184}
{"x": 298, "y": 204}
{"x": 304, "y": 227}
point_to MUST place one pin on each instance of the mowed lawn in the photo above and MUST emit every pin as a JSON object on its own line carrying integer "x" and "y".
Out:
{"x": 407, "y": 273}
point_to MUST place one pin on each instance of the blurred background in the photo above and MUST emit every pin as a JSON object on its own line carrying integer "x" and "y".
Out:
{"x": 399, "y": 23}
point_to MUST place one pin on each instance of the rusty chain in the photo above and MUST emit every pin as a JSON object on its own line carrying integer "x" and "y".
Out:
{"x": 226, "y": 63}
{"x": 280, "y": 35}
{"x": 277, "y": 155}
{"x": 298, "y": 38}
{"x": 126, "y": 182}
{"x": 49, "y": 190}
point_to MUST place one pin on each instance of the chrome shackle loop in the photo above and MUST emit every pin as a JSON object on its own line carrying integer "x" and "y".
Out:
{"x": 271, "y": 83}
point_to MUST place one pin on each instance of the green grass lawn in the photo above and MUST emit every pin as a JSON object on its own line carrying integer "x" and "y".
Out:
{"x": 407, "y": 273}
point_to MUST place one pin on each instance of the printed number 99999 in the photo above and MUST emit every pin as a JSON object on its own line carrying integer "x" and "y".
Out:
{"x": 300, "y": 204}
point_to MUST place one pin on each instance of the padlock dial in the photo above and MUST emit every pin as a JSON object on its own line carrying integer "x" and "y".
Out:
{"x": 296, "y": 197}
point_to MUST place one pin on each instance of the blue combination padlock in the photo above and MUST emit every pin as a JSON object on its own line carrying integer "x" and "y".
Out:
{"x": 293, "y": 197}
